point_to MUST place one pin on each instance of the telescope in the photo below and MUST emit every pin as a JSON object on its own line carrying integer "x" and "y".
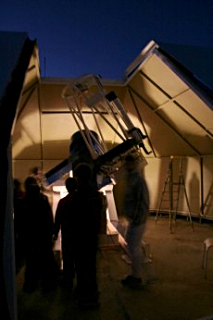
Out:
{"x": 86, "y": 95}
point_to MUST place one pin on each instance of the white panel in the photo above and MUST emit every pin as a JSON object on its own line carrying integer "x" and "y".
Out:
{"x": 164, "y": 77}
{"x": 26, "y": 138}
{"x": 148, "y": 91}
{"x": 56, "y": 132}
{"x": 156, "y": 174}
{"x": 188, "y": 128}
{"x": 164, "y": 140}
{"x": 197, "y": 108}
{"x": 50, "y": 97}
{"x": 178, "y": 119}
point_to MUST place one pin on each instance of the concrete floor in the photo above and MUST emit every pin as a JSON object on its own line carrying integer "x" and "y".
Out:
{"x": 180, "y": 293}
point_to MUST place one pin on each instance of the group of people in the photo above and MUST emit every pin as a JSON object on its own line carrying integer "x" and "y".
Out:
{"x": 79, "y": 215}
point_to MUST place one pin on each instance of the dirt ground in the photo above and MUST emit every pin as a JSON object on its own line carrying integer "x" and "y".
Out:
{"x": 180, "y": 293}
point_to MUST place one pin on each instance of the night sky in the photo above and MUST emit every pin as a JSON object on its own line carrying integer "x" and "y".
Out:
{"x": 104, "y": 37}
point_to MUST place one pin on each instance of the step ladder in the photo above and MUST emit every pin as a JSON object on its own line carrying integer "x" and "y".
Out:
{"x": 207, "y": 208}
{"x": 171, "y": 194}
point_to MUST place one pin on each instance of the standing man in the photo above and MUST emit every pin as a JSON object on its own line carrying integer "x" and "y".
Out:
{"x": 18, "y": 195}
{"x": 63, "y": 221}
{"x": 136, "y": 209}
{"x": 87, "y": 208}
{"x": 37, "y": 228}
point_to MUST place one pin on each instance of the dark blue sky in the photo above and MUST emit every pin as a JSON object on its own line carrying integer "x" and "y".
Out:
{"x": 104, "y": 37}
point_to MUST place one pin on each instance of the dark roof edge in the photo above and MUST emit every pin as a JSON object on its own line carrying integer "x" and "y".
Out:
{"x": 13, "y": 88}
{"x": 8, "y": 105}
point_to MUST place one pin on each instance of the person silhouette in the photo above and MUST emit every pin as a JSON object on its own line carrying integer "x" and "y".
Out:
{"x": 37, "y": 229}
{"x": 63, "y": 221}
{"x": 87, "y": 209}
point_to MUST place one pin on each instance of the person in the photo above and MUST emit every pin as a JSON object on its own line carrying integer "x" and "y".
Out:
{"x": 87, "y": 209}
{"x": 103, "y": 219}
{"x": 62, "y": 217}
{"x": 136, "y": 207}
{"x": 37, "y": 232}
{"x": 36, "y": 173}
{"x": 18, "y": 195}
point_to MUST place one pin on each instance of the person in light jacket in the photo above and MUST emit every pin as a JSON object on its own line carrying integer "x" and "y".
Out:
{"x": 136, "y": 207}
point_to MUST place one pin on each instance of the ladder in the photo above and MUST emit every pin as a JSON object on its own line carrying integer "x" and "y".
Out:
{"x": 172, "y": 195}
{"x": 208, "y": 204}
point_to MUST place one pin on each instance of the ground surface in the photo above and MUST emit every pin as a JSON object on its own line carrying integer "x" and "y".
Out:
{"x": 181, "y": 292}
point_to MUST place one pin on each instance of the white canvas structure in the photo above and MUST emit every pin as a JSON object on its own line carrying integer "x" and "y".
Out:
{"x": 161, "y": 97}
